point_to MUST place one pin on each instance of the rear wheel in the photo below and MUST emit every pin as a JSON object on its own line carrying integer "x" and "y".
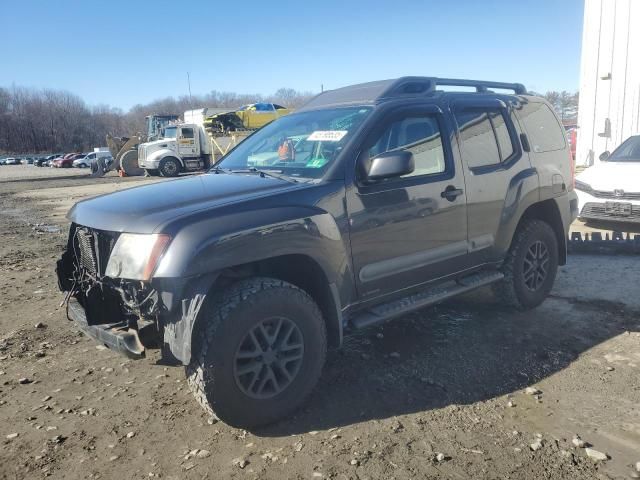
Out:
{"x": 261, "y": 351}
{"x": 530, "y": 267}
{"x": 169, "y": 167}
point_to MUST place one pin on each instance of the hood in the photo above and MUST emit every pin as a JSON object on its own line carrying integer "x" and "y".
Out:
{"x": 609, "y": 176}
{"x": 146, "y": 208}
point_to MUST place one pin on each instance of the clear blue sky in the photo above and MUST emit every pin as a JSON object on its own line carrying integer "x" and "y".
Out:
{"x": 126, "y": 52}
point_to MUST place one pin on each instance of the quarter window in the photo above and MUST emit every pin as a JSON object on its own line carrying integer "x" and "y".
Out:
{"x": 419, "y": 135}
{"x": 543, "y": 129}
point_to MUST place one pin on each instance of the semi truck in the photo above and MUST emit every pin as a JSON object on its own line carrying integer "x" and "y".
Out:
{"x": 187, "y": 146}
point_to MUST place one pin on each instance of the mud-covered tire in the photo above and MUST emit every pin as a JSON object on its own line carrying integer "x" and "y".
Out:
{"x": 222, "y": 330}
{"x": 518, "y": 289}
{"x": 169, "y": 167}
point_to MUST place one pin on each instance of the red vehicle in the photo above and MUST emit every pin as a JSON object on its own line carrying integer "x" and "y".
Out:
{"x": 572, "y": 136}
{"x": 66, "y": 161}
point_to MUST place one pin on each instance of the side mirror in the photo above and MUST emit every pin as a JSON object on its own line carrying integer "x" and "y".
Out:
{"x": 604, "y": 156}
{"x": 390, "y": 164}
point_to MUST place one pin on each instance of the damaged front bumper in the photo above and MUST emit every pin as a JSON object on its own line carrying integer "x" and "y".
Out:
{"x": 116, "y": 336}
{"x": 125, "y": 315}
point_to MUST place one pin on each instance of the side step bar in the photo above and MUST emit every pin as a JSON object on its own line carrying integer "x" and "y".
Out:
{"x": 396, "y": 308}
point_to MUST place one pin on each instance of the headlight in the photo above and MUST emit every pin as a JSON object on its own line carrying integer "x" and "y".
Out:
{"x": 584, "y": 187}
{"x": 136, "y": 256}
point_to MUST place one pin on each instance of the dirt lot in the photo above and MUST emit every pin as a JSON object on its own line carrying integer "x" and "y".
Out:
{"x": 449, "y": 379}
{"x": 26, "y": 172}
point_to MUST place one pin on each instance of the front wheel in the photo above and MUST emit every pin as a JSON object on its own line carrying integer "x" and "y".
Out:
{"x": 169, "y": 167}
{"x": 262, "y": 346}
{"x": 530, "y": 266}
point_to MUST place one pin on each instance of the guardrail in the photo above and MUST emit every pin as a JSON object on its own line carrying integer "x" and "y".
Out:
{"x": 594, "y": 243}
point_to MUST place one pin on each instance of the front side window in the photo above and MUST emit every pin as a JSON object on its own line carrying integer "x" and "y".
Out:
{"x": 629, "y": 151}
{"x": 170, "y": 132}
{"x": 419, "y": 135}
{"x": 542, "y": 127}
{"x": 301, "y": 145}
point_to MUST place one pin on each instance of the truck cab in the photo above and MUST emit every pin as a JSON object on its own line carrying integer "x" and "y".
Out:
{"x": 181, "y": 147}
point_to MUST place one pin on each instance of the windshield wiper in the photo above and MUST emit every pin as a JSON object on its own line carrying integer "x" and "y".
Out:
{"x": 265, "y": 173}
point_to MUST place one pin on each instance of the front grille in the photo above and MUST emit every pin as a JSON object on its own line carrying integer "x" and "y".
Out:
{"x": 142, "y": 153}
{"x": 87, "y": 251}
{"x": 597, "y": 211}
{"x": 619, "y": 196}
{"x": 93, "y": 249}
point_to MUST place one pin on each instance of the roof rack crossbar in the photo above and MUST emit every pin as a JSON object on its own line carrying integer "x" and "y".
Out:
{"x": 481, "y": 86}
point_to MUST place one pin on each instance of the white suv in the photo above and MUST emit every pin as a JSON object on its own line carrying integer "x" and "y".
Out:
{"x": 610, "y": 190}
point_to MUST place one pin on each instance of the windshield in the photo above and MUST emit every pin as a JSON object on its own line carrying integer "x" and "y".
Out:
{"x": 629, "y": 151}
{"x": 170, "y": 132}
{"x": 299, "y": 145}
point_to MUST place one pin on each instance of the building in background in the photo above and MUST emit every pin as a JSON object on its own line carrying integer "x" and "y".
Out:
{"x": 609, "y": 109}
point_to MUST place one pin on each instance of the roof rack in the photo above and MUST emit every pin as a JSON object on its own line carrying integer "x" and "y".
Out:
{"x": 426, "y": 85}
{"x": 480, "y": 85}
{"x": 373, "y": 92}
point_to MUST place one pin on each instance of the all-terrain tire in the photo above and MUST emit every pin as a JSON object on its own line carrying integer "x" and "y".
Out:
{"x": 223, "y": 327}
{"x": 518, "y": 289}
{"x": 169, "y": 167}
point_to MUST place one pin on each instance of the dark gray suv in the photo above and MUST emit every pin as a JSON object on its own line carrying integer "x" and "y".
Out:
{"x": 369, "y": 202}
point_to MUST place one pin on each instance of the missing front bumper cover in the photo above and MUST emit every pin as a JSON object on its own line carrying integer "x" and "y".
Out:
{"x": 116, "y": 336}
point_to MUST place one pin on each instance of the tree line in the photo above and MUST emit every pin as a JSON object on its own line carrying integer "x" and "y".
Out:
{"x": 52, "y": 121}
{"x": 48, "y": 121}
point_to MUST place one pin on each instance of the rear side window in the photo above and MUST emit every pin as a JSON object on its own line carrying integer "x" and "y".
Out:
{"x": 542, "y": 127}
{"x": 484, "y": 136}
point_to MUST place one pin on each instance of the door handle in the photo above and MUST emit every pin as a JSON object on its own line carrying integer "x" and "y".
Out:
{"x": 451, "y": 193}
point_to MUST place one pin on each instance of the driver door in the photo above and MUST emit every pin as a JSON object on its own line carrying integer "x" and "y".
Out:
{"x": 187, "y": 142}
{"x": 407, "y": 231}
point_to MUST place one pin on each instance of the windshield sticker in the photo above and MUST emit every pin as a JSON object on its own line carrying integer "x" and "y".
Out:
{"x": 316, "y": 163}
{"x": 327, "y": 136}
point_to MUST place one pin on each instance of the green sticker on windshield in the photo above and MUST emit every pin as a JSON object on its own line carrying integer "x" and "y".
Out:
{"x": 316, "y": 163}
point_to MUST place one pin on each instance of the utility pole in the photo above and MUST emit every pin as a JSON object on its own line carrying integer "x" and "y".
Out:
{"x": 189, "y": 83}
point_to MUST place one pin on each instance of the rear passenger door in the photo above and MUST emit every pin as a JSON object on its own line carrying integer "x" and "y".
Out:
{"x": 495, "y": 169}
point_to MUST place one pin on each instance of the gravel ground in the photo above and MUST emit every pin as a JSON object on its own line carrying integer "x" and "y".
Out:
{"x": 440, "y": 393}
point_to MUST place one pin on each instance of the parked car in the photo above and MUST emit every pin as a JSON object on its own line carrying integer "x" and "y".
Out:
{"x": 66, "y": 161}
{"x": 246, "y": 274}
{"x": 610, "y": 190}
{"x": 12, "y": 161}
{"x": 40, "y": 162}
{"x": 89, "y": 158}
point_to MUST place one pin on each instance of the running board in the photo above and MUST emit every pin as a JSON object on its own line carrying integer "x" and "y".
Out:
{"x": 387, "y": 311}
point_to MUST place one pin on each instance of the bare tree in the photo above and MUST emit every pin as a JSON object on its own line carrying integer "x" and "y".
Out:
{"x": 38, "y": 121}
